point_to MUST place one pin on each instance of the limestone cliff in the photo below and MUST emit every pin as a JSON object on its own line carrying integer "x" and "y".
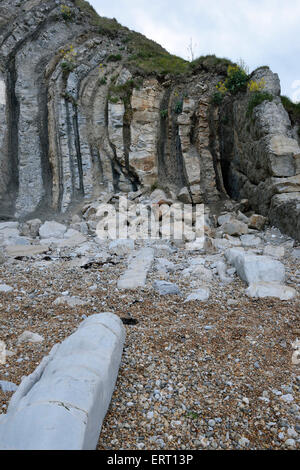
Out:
{"x": 88, "y": 106}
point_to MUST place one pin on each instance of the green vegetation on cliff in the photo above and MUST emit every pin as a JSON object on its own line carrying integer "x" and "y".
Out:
{"x": 145, "y": 54}
{"x": 293, "y": 109}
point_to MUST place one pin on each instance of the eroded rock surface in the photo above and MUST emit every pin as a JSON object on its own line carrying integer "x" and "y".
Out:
{"x": 80, "y": 116}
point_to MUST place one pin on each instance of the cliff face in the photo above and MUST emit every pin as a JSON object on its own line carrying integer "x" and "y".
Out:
{"x": 261, "y": 155}
{"x": 85, "y": 110}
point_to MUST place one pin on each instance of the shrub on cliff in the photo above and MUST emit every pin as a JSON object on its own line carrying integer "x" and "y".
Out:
{"x": 217, "y": 98}
{"x": 66, "y": 13}
{"x": 236, "y": 80}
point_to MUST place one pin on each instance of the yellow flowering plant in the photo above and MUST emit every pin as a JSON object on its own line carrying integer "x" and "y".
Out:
{"x": 66, "y": 12}
{"x": 68, "y": 54}
{"x": 254, "y": 86}
{"x": 69, "y": 59}
{"x": 221, "y": 87}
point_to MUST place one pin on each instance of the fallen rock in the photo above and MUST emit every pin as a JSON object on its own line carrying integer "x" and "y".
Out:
{"x": 253, "y": 269}
{"x": 26, "y": 251}
{"x": 52, "y": 229}
{"x": 62, "y": 404}
{"x": 274, "y": 250}
{"x": 166, "y": 288}
{"x": 221, "y": 244}
{"x": 5, "y": 288}
{"x": 16, "y": 241}
{"x": 224, "y": 218}
{"x": 165, "y": 266}
{"x": 250, "y": 241}
{"x": 257, "y": 222}
{"x": 222, "y": 270}
{"x": 138, "y": 266}
{"x": 30, "y": 337}
{"x": 242, "y": 218}
{"x": 70, "y": 301}
{"x": 201, "y": 294}
{"x": 198, "y": 271}
{"x": 72, "y": 233}
{"x": 269, "y": 289}
{"x": 31, "y": 228}
{"x": 234, "y": 227}
{"x": 184, "y": 196}
{"x": 8, "y": 225}
{"x": 121, "y": 247}
{"x": 196, "y": 245}
{"x": 73, "y": 241}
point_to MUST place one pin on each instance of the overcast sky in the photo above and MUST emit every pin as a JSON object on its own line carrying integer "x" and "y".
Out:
{"x": 261, "y": 32}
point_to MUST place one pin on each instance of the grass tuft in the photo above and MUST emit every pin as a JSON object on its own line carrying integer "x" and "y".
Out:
{"x": 256, "y": 99}
{"x": 293, "y": 109}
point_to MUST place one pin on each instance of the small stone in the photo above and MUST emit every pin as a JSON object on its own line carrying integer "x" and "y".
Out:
{"x": 249, "y": 241}
{"x": 290, "y": 443}
{"x": 201, "y": 295}
{"x": 166, "y": 288}
{"x": 270, "y": 289}
{"x": 70, "y": 301}
{"x": 292, "y": 433}
{"x": 257, "y": 222}
{"x": 5, "y": 288}
{"x": 244, "y": 442}
{"x": 288, "y": 398}
{"x": 121, "y": 247}
{"x": 234, "y": 227}
{"x": 7, "y": 387}
{"x": 30, "y": 337}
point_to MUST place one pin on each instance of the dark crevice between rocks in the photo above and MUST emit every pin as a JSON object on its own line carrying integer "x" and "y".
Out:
{"x": 176, "y": 149}
{"x": 78, "y": 149}
{"x": 214, "y": 148}
{"x": 70, "y": 146}
{"x": 162, "y": 138}
{"x": 171, "y": 168}
{"x": 13, "y": 112}
{"x": 115, "y": 173}
{"x": 44, "y": 146}
{"x": 97, "y": 164}
{"x": 180, "y": 162}
{"x": 226, "y": 140}
{"x": 127, "y": 119}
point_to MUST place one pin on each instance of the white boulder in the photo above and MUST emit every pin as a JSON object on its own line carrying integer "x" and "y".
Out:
{"x": 52, "y": 229}
{"x": 270, "y": 289}
{"x": 253, "y": 268}
{"x": 62, "y": 404}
